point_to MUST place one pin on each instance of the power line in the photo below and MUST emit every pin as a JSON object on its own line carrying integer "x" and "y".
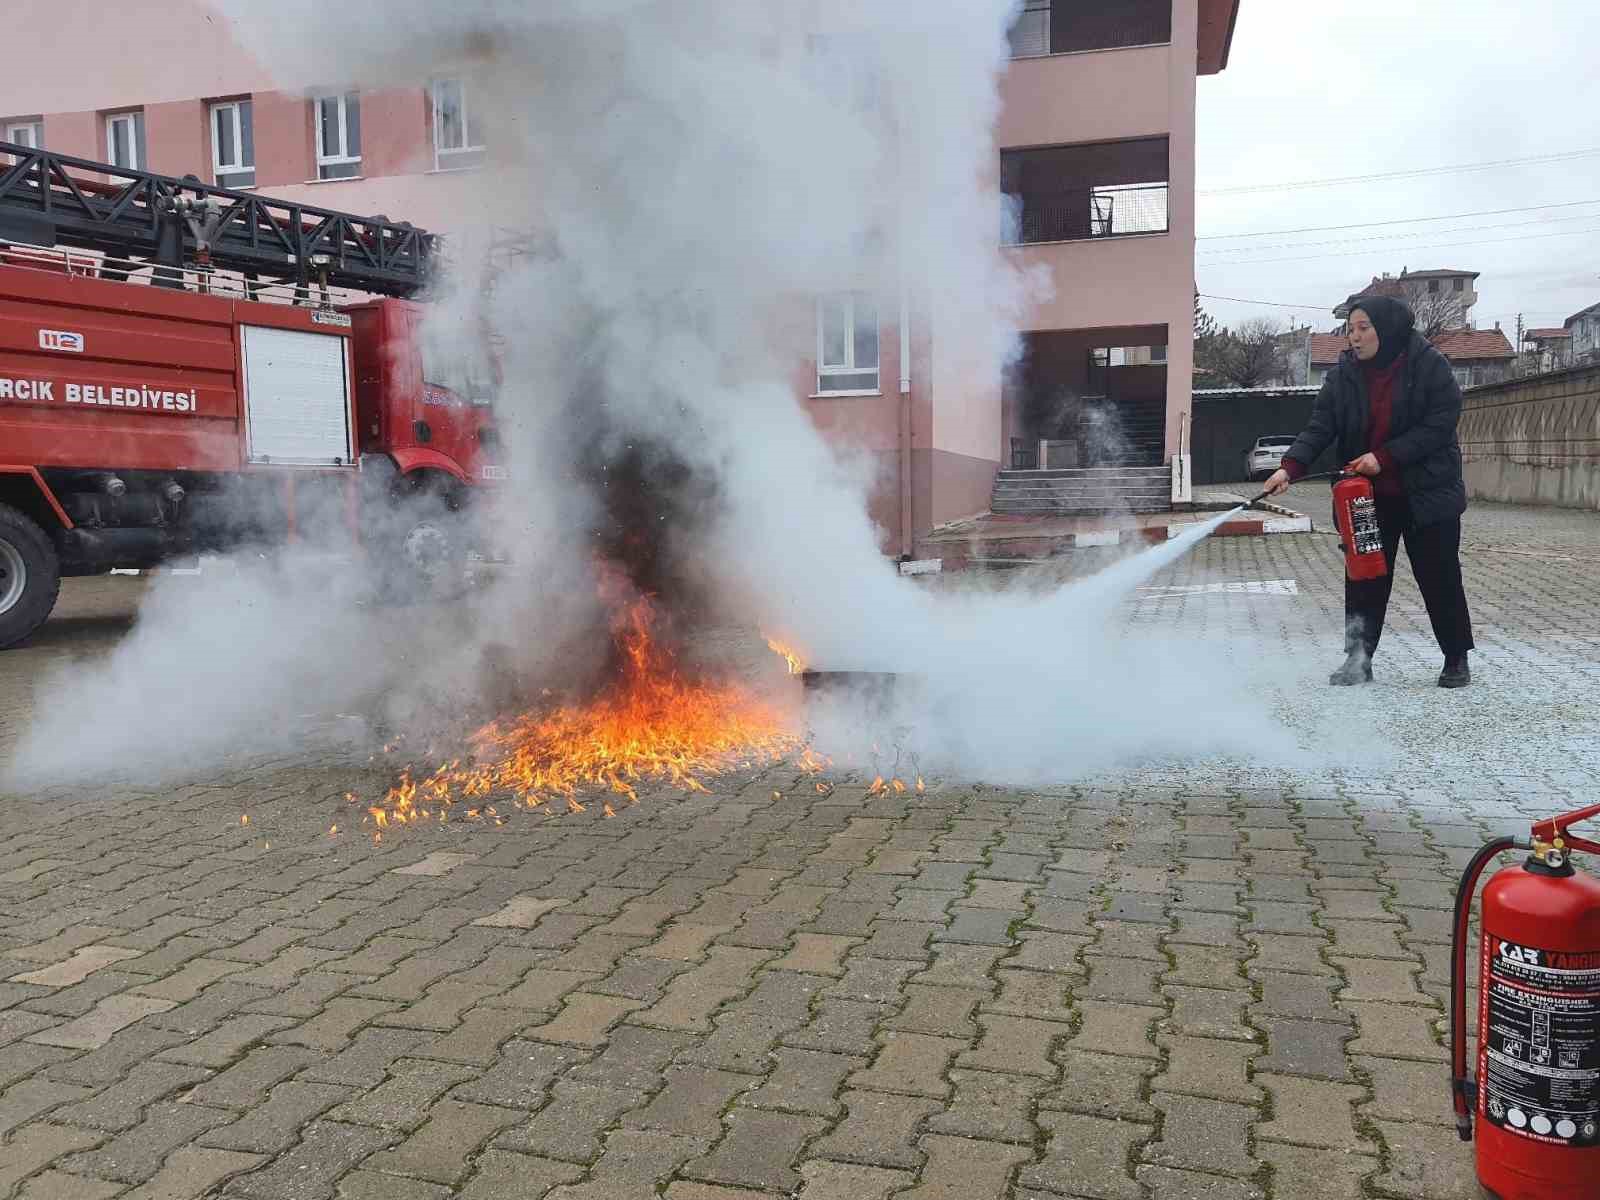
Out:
{"x": 1414, "y": 173}
{"x": 1488, "y": 212}
{"x": 1324, "y": 307}
{"x": 1432, "y": 246}
{"x": 1392, "y": 237}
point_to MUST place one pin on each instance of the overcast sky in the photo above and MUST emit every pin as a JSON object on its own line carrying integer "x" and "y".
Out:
{"x": 1314, "y": 92}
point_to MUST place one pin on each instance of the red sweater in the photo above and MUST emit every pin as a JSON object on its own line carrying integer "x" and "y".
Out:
{"x": 1381, "y": 384}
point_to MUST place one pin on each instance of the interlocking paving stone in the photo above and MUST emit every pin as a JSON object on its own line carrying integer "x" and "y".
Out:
{"x": 325, "y": 1152}
{"x": 440, "y": 1148}
{"x": 849, "y": 1181}
{"x": 30, "y": 1098}
{"x": 1312, "y": 1112}
{"x": 569, "y": 1127}
{"x": 118, "y": 1108}
{"x": 84, "y": 962}
{"x": 878, "y": 1129}
{"x": 989, "y": 1105}
{"x": 1302, "y": 1174}
{"x": 963, "y": 1169}
{"x": 758, "y": 1150}
{"x": 692, "y": 1102}
{"x": 247, "y": 1082}
{"x": 805, "y": 1081}
{"x": 38, "y": 1145}
{"x": 911, "y": 1064}
{"x": 1202, "y": 1135}
{"x": 135, "y": 1155}
{"x": 1207, "y": 1067}
{"x": 1086, "y": 1156}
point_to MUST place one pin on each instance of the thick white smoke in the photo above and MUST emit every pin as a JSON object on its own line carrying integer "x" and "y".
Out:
{"x": 691, "y": 174}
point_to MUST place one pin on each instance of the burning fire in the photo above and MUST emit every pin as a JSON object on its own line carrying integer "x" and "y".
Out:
{"x": 788, "y": 654}
{"x": 651, "y": 724}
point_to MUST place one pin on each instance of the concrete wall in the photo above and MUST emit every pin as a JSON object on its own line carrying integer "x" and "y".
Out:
{"x": 1535, "y": 440}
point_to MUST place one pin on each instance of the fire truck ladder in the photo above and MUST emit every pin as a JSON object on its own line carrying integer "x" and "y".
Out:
{"x": 46, "y": 200}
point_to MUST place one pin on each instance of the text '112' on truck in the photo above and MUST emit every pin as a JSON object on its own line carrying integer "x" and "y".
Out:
{"x": 189, "y": 370}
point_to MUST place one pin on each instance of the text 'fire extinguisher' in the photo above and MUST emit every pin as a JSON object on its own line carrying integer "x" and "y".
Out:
{"x": 1536, "y": 1095}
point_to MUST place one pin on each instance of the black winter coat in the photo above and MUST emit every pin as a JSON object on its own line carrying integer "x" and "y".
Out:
{"x": 1422, "y": 430}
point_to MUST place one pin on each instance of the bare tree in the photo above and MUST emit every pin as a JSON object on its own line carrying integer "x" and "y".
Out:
{"x": 1437, "y": 311}
{"x": 1249, "y": 355}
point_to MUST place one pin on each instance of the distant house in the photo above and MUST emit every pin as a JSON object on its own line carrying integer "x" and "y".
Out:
{"x": 1325, "y": 351}
{"x": 1547, "y": 349}
{"x": 1585, "y": 330}
{"x": 1476, "y": 356}
{"x": 1442, "y": 299}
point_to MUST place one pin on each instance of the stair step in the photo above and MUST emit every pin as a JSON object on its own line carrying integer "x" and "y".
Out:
{"x": 1084, "y": 472}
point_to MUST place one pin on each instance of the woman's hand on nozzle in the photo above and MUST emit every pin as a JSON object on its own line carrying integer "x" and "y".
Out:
{"x": 1277, "y": 482}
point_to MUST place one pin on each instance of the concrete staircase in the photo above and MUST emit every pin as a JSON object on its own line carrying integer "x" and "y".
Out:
{"x": 1083, "y": 490}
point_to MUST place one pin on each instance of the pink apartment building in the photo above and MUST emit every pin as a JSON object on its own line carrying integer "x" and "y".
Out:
{"x": 1095, "y": 154}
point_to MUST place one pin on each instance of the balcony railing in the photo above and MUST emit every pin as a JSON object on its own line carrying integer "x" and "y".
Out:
{"x": 1077, "y": 214}
{"x": 1072, "y": 26}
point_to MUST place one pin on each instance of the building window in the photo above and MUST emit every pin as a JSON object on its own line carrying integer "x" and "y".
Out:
{"x": 1433, "y": 287}
{"x": 457, "y": 127}
{"x": 125, "y": 140}
{"x": 1030, "y": 35}
{"x": 338, "y": 121}
{"x": 1074, "y": 26}
{"x": 847, "y": 343}
{"x": 25, "y": 133}
{"x": 233, "y": 144}
{"x": 1158, "y": 354}
{"x": 1463, "y": 376}
{"x": 1069, "y": 193}
{"x": 1459, "y": 284}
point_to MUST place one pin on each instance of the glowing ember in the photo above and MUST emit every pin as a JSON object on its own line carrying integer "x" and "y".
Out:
{"x": 652, "y": 724}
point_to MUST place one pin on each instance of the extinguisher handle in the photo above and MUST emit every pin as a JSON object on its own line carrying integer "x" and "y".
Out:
{"x": 1557, "y": 827}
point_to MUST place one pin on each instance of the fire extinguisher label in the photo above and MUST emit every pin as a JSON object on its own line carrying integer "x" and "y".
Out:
{"x": 1541, "y": 1058}
{"x": 1364, "y": 531}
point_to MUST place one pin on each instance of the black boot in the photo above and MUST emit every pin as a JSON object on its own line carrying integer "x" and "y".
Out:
{"x": 1357, "y": 668}
{"x": 1456, "y": 673}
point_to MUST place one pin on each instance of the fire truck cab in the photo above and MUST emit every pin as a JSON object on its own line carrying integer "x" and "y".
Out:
{"x": 184, "y": 370}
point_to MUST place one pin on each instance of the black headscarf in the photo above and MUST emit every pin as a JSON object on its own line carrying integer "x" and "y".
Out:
{"x": 1393, "y": 320}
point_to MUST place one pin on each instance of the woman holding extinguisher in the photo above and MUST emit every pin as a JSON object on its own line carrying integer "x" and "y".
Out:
{"x": 1390, "y": 409}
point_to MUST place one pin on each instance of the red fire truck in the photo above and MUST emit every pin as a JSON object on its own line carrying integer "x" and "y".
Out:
{"x": 184, "y": 370}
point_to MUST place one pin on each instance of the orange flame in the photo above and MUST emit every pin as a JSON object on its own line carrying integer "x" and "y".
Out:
{"x": 652, "y": 724}
{"x": 789, "y": 655}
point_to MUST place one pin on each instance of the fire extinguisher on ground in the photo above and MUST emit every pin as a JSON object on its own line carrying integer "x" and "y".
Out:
{"x": 1536, "y": 1095}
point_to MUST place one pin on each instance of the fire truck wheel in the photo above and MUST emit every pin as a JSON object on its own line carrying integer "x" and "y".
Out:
{"x": 426, "y": 561}
{"x": 30, "y": 576}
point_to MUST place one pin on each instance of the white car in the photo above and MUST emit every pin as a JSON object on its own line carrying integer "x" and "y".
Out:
{"x": 1265, "y": 457}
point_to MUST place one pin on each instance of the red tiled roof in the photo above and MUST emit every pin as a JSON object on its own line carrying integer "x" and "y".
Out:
{"x": 1545, "y": 335}
{"x": 1458, "y": 344}
{"x": 1326, "y": 348}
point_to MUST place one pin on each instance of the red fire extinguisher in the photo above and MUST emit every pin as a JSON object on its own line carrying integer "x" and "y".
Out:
{"x": 1536, "y": 1095}
{"x": 1355, "y": 513}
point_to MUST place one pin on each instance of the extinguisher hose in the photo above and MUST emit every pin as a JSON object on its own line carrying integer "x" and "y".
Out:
{"x": 1463, "y": 1093}
{"x": 1303, "y": 479}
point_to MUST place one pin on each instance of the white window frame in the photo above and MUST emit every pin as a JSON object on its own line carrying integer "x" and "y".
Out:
{"x": 132, "y": 119}
{"x": 849, "y": 366}
{"x": 33, "y": 129}
{"x": 450, "y": 158}
{"x": 343, "y": 157}
{"x": 1030, "y": 15}
{"x": 220, "y": 168}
